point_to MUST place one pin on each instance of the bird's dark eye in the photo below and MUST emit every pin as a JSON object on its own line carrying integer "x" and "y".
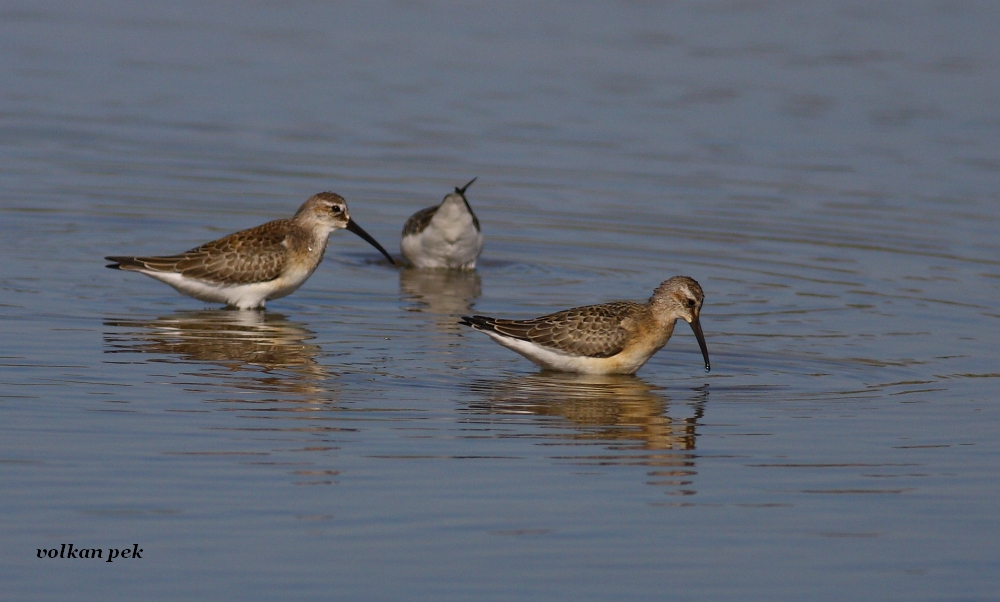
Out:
{"x": 336, "y": 210}
{"x": 690, "y": 302}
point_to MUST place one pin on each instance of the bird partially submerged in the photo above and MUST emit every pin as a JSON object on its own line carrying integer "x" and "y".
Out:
{"x": 445, "y": 235}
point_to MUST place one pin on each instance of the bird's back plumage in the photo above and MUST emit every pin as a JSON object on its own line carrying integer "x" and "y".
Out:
{"x": 258, "y": 254}
{"x": 419, "y": 221}
{"x": 592, "y": 331}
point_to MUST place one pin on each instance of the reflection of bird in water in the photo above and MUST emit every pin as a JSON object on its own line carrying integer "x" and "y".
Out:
{"x": 444, "y": 294}
{"x": 242, "y": 341}
{"x": 601, "y": 408}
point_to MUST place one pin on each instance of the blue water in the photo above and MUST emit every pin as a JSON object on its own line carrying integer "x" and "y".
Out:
{"x": 826, "y": 170}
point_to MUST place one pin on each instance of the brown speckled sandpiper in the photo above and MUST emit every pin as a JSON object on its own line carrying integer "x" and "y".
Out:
{"x": 611, "y": 338}
{"x": 247, "y": 268}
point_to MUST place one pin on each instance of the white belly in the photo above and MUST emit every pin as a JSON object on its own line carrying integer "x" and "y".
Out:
{"x": 241, "y": 296}
{"x": 449, "y": 241}
{"x": 626, "y": 362}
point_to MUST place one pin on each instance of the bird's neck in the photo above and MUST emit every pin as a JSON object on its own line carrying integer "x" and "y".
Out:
{"x": 452, "y": 218}
{"x": 313, "y": 239}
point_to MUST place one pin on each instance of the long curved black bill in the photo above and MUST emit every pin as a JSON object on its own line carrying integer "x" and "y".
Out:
{"x": 462, "y": 190}
{"x": 353, "y": 226}
{"x": 698, "y": 334}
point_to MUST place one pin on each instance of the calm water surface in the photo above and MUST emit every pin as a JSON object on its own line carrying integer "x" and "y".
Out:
{"x": 828, "y": 171}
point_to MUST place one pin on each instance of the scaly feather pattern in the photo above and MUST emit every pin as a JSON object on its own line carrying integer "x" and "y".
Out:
{"x": 255, "y": 255}
{"x": 419, "y": 221}
{"x": 590, "y": 331}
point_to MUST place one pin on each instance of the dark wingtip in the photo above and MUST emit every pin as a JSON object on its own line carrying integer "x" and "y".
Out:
{"x": 462, "y": 190}
{"x": 477, "y": 322}
{"x": 114, "y": 266}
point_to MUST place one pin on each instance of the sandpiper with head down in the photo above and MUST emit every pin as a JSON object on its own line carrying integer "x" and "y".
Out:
{"x": 247, "y": 268}
{"x": 611, "y": 338}
{"x": 445, "y": 235}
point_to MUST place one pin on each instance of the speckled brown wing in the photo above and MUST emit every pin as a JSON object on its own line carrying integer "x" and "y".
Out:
{"x": 418, "y": 221}
{"x": 255, "y": 255}
{"x": 591, "y": 331}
